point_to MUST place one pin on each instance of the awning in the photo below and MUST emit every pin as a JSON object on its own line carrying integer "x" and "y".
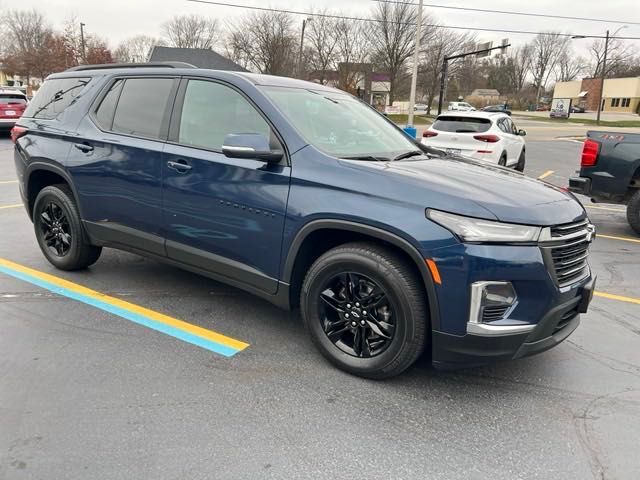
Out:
{"x": 583, "y": 94}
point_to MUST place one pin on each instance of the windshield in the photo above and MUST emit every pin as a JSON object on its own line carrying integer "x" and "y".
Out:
{"x": 338, "y": 124}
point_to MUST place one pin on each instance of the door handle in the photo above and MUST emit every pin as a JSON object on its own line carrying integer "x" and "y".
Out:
{"x": 180, "y": 166}
{"x": 83, "y": 147}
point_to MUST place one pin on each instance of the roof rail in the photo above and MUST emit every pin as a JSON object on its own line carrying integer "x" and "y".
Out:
{"x": 106, "y": 66}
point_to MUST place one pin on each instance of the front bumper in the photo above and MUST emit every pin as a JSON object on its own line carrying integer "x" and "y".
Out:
{"x": 481, "y": 348}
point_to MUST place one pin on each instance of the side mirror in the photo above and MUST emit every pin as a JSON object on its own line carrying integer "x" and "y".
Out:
{"x": 522, "y": 133}
{"x": 250, "y": 145}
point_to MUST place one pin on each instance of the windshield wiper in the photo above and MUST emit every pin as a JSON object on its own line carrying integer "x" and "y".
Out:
{"x": 367, "y": 157}
{"x": 411, "y": 153}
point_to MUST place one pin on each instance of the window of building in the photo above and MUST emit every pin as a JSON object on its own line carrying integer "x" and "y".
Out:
{"x": 55, "y": 96}
{"x": 626, "y": 102}
{"x": 615, "y": 102}
{"x": 141, "y": 107}
{"x": 211, "y": 111}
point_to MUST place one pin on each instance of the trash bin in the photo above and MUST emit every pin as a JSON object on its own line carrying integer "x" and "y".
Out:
{"x": 411, "y": 131}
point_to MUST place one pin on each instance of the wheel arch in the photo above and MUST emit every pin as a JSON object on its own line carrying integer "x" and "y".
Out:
{"x": 40, "y": 175}
{"x": 305, "y": 249}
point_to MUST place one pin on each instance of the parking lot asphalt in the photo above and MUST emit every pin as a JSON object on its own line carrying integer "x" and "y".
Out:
{"x": 86, "y": 393}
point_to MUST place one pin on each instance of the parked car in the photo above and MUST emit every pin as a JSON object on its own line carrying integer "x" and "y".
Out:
{"x": 577, "y": 109}
{"x": 306, "y": 196}
{"x": 461, "y": 107}
{"x": 497, "y": 108}
{"x": 12, "y": 105}
{"x": 543, "y": 108}
{"x": 420, "y": 107}
{"x": 489, "y": 137}
{"x": 610, "y": 171}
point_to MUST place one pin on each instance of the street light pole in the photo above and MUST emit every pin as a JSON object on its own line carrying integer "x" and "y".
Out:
{"x": 603, "y": 76}
{"x": 82, "y": 44}
{"x": 304, "y": 24}
{"x": 414, "y": 74}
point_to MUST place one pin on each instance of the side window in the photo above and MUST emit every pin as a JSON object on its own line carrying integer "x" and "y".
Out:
{"x": 55, "y": 96}
{"x": 512, "y": 127}
{"x": 142, "y": 106}
{"x": 211, "y": 111}
{"x": 502, "y": 125}
{"x": 104, "y": 114}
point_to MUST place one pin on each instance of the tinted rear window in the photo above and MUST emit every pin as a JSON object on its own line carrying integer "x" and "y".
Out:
{"x": 142, "y": 105}
{"x": 459, "y": 124}
{"x": 7, "y": 98}
{"x": 55, "y": 96}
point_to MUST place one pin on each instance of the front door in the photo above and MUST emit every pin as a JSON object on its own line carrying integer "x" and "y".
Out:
{"x": 224, "y": 215}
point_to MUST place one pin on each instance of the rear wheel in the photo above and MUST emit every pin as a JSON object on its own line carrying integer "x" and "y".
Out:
{"x": 521, "y": 162}
{"x": 365, "y": 309}
{"x": 633, "y": 212}
{"x": 503, "y": 160}
{"x": 59, "y": 230}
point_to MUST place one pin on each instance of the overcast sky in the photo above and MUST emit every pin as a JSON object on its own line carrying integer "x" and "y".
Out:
{"x": 115, "y": 20}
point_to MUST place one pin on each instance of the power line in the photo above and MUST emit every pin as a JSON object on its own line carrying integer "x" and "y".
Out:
{"x": 512, "y": 12}
{"x": 375, "y": 20}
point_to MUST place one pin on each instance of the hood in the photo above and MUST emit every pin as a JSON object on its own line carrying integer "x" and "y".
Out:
{"x": 504, "y": 194}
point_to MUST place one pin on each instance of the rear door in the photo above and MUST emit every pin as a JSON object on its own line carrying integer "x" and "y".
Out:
{"x": 224, "y": 215}
{"x": 116, "y": 161}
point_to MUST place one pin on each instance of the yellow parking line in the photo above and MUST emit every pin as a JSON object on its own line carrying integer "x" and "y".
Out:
{"x": 609, "y": 209}
{"x": 546, "y": 174}
{"x": 2, "y": 207}
{"x": 620, "y": 298}
{"x": 184, "y": 331}
{"x": 3, "y": 182}
{"x": 624, "y": 239}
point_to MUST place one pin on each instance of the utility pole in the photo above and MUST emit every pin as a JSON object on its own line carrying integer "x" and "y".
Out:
{"x": 304, "y": 24}
{"x": 82, "y": 44}
{"x": 414, "y": 73}
{"x": 603, "y": 76}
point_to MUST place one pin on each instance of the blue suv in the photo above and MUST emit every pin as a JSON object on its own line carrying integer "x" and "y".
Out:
{"x": 309, "y": 198}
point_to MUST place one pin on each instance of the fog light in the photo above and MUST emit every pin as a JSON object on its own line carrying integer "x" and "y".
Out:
{"x": 490, "y": 301}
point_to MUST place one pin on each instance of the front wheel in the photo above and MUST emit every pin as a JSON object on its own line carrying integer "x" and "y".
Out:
{"x": 365, "y": 309}
{"x": 633, "y": 212}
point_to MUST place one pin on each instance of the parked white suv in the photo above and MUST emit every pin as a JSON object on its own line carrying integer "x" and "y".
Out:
{"x": 461, "y": 107}
{"x": 490, "y": 137}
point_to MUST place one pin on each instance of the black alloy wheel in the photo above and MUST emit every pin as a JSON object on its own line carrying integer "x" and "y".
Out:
{"x": 55, "y": 229}
{"x": 357, "y": 315}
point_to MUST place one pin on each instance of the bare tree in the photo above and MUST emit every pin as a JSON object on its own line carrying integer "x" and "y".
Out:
{"x": 439, "y": 43}
{"x": 547, "y": 49}
{"x": 27, "y": 35}
{"x": 192, "y": 31}
{"x": 322, "y": 41}
{"x": 618, "y": 56}
{"x": 264, "y": 41}
{"x": 519, "y": 67}
{"x": 569, "y": 66}
{"x": 136, "y": 49}
{"x": 393, "y": 38}
{"x": 352, "y": 51}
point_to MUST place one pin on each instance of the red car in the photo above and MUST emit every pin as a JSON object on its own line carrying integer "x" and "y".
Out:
{"x": 12, "y": 106}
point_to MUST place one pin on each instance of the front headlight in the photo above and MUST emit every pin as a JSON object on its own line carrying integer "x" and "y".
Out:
{"x": 478, "y": 230}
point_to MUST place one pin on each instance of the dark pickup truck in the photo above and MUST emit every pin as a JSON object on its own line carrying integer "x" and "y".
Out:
{"x": 610, "y": 171}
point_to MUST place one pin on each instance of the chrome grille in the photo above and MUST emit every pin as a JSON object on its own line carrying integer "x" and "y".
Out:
{"x": 566, "y": 249}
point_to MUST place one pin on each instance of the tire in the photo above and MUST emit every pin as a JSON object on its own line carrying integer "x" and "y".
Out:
{"x": 401, "y": 314}
{"x": 503, "y": 160}
{"x": 59, "y": 230}
{"x": 521, "y": 162}
{"x": 633, "y": 212}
